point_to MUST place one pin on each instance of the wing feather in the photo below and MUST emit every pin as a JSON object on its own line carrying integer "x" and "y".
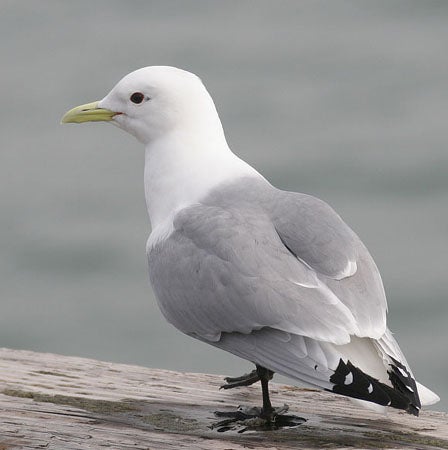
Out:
{"x": 227, "y": 270}
{"x": 286, "y": 261}
{"x": 316, "y": 234}
{"x": 281, "y": 281}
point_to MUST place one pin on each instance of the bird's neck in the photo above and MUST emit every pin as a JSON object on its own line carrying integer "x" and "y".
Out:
{"x": 181, "y": 169}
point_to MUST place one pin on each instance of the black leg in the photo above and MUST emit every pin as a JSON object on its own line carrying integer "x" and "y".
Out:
{"x": 267, "y": 411}
{"x": 255, "y": 418}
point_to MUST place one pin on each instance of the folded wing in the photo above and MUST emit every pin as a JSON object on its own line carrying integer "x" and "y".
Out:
{"x": 316, "y": 235}
{"x": 228, "y": 270}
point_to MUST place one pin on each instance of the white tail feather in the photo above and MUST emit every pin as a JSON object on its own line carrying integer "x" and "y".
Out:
{"x": 427, "y": 397}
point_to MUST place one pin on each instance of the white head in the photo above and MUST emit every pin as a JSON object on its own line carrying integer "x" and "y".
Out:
{"x": 171, "y": 112}
{"x": 154, "y": 101}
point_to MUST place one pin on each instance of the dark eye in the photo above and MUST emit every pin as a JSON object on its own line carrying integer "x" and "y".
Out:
{"x": 137, "y": 97}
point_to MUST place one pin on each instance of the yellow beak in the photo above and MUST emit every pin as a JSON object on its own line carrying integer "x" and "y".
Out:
{"x": 88, "y": 113}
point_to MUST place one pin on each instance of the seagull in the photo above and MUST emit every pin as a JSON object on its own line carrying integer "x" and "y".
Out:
{"x": 274, "y": 277}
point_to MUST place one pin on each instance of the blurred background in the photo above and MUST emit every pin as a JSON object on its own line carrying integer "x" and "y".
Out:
{"x": 345, "y": 100}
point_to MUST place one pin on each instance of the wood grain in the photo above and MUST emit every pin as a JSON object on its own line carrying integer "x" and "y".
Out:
{"x": 57, "y": 402}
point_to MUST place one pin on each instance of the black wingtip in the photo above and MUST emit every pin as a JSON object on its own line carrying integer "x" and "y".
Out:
{"x": 402, "y": 381}
{"x": 353, "y": 382}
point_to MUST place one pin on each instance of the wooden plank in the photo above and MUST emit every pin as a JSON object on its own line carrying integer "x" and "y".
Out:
{"x": 58, "y": 402}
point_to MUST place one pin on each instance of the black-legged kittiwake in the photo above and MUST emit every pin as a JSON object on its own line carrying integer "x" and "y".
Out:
{"x": 274, "y": 277}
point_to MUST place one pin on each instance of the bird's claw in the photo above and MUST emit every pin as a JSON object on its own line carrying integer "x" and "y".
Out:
{"x": 252, "y": 418}
{"x": 244, "y": 380}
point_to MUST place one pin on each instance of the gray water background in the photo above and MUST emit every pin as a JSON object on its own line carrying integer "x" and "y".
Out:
{"x": 346, "y": 100}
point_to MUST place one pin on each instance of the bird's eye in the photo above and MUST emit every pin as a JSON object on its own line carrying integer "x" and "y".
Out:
{"x": 137, "y": 97}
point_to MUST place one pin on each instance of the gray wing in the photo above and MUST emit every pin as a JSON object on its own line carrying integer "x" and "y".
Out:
{"x": 316, "y": 234}
{"x": 283, "y": 283}
{"x": 225, "y": 270}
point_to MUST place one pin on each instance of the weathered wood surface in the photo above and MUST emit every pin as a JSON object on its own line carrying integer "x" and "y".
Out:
{"x": 58, "y": 402}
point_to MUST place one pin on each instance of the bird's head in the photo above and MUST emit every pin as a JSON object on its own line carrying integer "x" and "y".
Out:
{"x": 151, "y": 102}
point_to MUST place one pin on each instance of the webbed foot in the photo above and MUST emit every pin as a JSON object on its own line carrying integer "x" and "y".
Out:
{"x": 254, "y": 418}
